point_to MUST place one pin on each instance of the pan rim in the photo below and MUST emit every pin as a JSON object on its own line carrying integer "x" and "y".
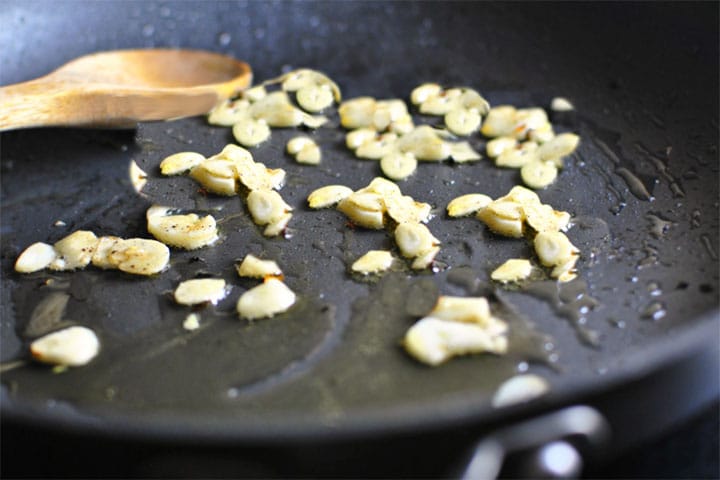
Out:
{"x": 362, "y": 423}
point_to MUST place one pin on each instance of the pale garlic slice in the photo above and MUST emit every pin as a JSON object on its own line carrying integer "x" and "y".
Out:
{"x": 405, "y": 209}
{"x": 398, "y": 166}
{"x": 305, "y": 150}
{"x": 101, "y": 256}
{"x": 36, "y": 257}
{"x": 518, "y": 156}
{"x": 503, "y": 217}
{"x": 200, "y": 290}
{"x": 462, "y": 309}
{"x": 251, "y": 132}
{"x": 520, "y": 389}
{"x": 434, "y": 341}
{"x": 554, "y": 248}
{"x": 365, "y": 209}
{"x": 266, "y": 206}
{"x": 374, "y": 261}
{"x": 266, "y": 300}
{"x": 139, "y": 256}
{"x": 512, "y": 270}
{"x": 74, "y": 251}
{"x": 328, "y": 196}
{"x": 216, "y": 175}
{"x": 254, "y": 267}
{"x": 180, "y": 162}
{"x": 467, "y": 204}
{"x": 538, "y": 174}
{"x": 414, "y": 239}
{"x": 73, "y": 346}
{"x": 188, "y": 231}
{"x": 138, "y": 177}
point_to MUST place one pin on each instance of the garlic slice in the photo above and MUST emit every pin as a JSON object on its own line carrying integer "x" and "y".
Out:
{"x": 266, "y": 300}
{"x": 73, "y": 346}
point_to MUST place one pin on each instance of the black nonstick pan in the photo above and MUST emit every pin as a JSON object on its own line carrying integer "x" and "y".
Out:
{"x": 635, "y": 337}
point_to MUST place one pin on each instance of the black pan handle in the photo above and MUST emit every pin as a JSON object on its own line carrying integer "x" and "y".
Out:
{"x": 550, "y": 446}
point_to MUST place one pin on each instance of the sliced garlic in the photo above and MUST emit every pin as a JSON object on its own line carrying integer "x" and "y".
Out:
{"x": 315, "y": 98}
{"x": 228, "y": 113}
{"x": 462, "y": 152}
{"x": 310, "y": 155}
{"x": 441, "y": 103}
{"x": 566, "y": 271}
{"x": 378, "y": 147}
{"x": 553, "y": 248}
{"x": 463, "y": 122}
{"x": 423, "y": 92}
{"x": 425, "y": 143}
{"x": 561, "y": 104}
{"x": 191, "y": 322}
{"x": 188, "y": 231}
{"x": 364, "y": 209}
{"x": 383, "y": 187}
{"x": 434, "y": 341}
{"x": 503, "y": 217}
{"x": 266, "y": 300}
{"x": 328, "y": 196}
{"x": 36, "y": 257}
{"x": 404, "y": 209}
{"x": 374, "y": 261}
{"x": 425, "y": 259}
{"x": 542, "y": 218}
{"x": 398, "y": 166}
{"x": 180, "y": 162}
{"x": 499, "y": 121}
{"x": 251, "y": 132}
{"x": 74, "y": 251}
{"x": 139, "y": 256}
{"x": 255, "y": 176}
{"x": 138, "y": 177}
{"x": 296, "y": 144}
{"x": 520, "y": 389}
{"x": 414, "y": 239}
{"x": 266, "y": 206}
{"x": 499, "y": 145}
{"x": 277, "y": 226}
{"x": 200, "y": 290}
{"x": 253, "y": 267}
{"x": 217, "y": 176}
{"x": 519, "y": 156}
{"x": 357, "y": 112}
{"x": 538, "y": 174}
{"x": 101, "y": 257}
{"x": 521, "y": 195}
{"x": 462, "y": 309}
{"x": 512, "y": 270}
{"x": 73, "y": 346}
{"x": 560, "y": 146}
{"x": 467, "y": 204}
{"x": 355, "y": 138}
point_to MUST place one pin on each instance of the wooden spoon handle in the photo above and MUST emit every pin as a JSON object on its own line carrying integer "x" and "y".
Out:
{"x": 46, "y": 102}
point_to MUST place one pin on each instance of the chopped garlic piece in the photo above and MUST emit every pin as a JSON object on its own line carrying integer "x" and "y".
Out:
{"x": 520, "y": 389}
{"x": 184, "y": 231}
{"x": 73, "y": 346}
{"x": 463, "y": 122}
{"x": 305, "y": 150}
{"x": 37, "y": 256}
{"x": 512, "y": 270}
{"x": 328, "y": 196}
{"x": 423, "y": 92}
{"x": 504, "y": 218}
{"x": 467, "y": 204}
{"x": 355, "y": 138}
{"x": 462, "y": 152}
{"x": 499, "y": 145}
{"x": 364, "y": 209}
{"x": 217, "y": 176}
{"x": 253, "y": 267}
{"x": 266, "y": 206}
{"x": 138, "y": 177}
{"x": 434, "y": 341}
{"x": 425, "y": 259}
{"x": 265, "y": 300}
{"x": 414, "y": 239}
{"x": 192, "y": 322}
{"x": 277, "y": 226}
{"x": 139, "y": 256}
{"x": 74, "y": 251}
{"x": 200, "y": 290}
{"x": 180, "y": 162}
{"x": 561, "y": 104}
{"x": 314, "y": 98}
{"x": 374, "y": 261}
{"x": 560, "y": 146}
{"x": 519, "y": 156}
{"x": 404, "y": 209}
{"x": 553, "y": 248}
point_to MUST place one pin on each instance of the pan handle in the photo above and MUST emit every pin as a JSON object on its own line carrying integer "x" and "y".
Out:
{"x": 550, "y": 446}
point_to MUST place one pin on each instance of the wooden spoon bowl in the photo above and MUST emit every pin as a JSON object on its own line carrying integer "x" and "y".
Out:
{"x": 123, "y": 87}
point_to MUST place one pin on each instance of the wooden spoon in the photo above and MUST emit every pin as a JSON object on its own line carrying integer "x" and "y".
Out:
{"x": 121, "y": 88}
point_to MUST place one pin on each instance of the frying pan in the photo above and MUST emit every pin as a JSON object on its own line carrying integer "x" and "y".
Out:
{"x": 636, "y": 338}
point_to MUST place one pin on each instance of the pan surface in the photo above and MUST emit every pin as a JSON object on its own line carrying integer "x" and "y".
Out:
{"x": 642, "y": 188}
